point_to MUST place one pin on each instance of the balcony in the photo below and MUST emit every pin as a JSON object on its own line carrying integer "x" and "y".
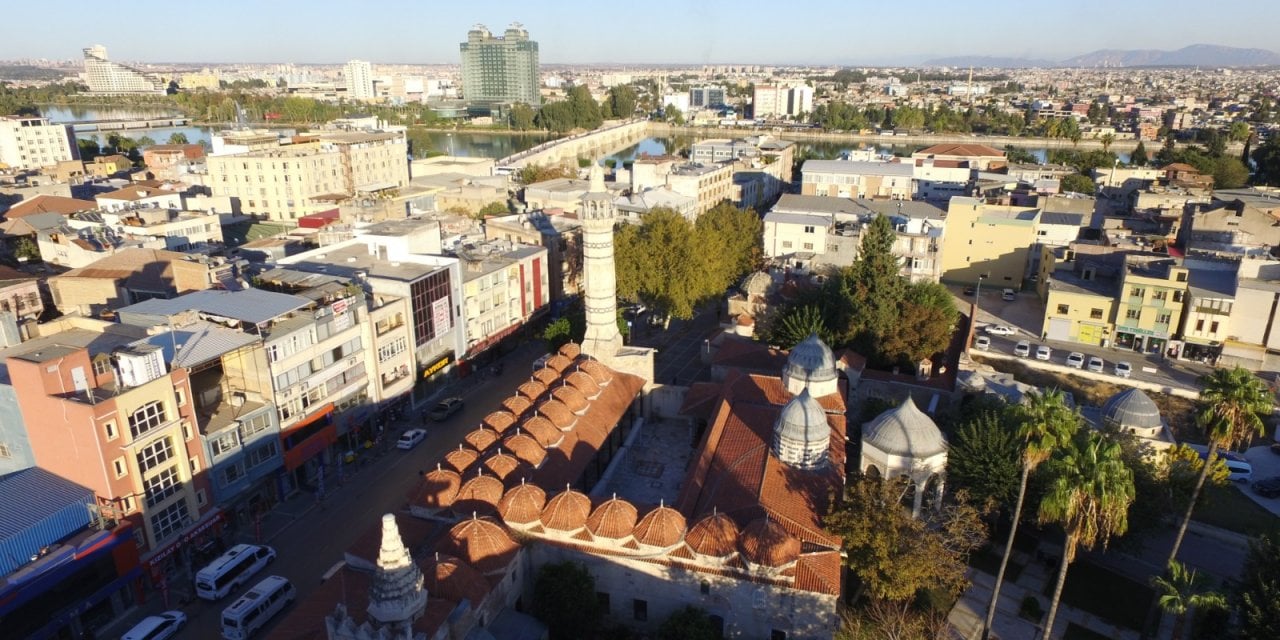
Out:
{"x": 382, "y": 328}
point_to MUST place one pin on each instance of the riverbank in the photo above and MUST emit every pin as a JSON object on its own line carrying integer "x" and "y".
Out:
{"x": 998, "y": 142}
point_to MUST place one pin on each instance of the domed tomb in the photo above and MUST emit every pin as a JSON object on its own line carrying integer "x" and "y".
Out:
{"x": 811, "y": 365}
{"x": 802, "y": 435}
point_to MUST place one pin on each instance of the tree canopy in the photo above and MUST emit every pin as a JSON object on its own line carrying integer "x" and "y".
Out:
{"x": 985, "y": 458}
{"x": 564, "y": 598}
{"x": 1259, "y": 590}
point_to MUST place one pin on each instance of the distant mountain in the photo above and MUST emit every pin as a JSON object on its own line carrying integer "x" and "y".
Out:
{"x": 988, "y": 61}
{"x": 1196, "y": 55}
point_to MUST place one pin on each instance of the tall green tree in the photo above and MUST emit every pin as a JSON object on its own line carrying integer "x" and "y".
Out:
{"x": 1078, "y": 183}
{"x": 874, "y": 286}
{"x": 1229, "y": 173}
{"x": 1259, "y": 590}
{"x": 895, "y": 555}
{"x": 1267, "y": 159}
{"x": 1232, "y": 403}
{"x": 1107, "y": 139}
{"x": 622, "y": 101}
{"x": 521, "y": 116}
{"x": 1138, "y": 157}
{"x": 796, "y": 323}
{"x": 985, "y": 458}
{"x": 1239, "y": 131}
{"x": 564, "y": 598}
{"x": 661, "y": 263}
{"x": 178, "y": 137}
{"x": 1182, "y": 591}
{"x": 734, "y": 236}
{"x": 1045, "y": 424}
{"x": 585, "y": 109}
{"x": 925, "y": 324}
{"x": 1089, "y": 495}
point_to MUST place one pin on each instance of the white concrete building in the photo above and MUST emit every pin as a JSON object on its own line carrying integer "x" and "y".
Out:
{"x": 358, "y": 76}
{"x": 32, "y": 142}
{"x": 112, "y": 78}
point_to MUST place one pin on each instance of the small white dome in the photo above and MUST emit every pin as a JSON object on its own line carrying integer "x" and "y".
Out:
{"x": 802, "y": 435}
{"x": 1132, "y": 409}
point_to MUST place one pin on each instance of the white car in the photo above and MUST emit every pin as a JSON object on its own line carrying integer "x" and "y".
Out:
{"x": 411, "y": 439}
{"x": 1000, "y": 330}
{"x": 158, "y": 627}
{"x": 982, "y": 342}
{"x": 1043, "y": 352}
{"x": 1075, "y": 360}
{"x": 1023, "y": 348}
{"x": 1008, "y": 295}
{"x": 1096, "y": 364}
{"x": 1124, "y": 369}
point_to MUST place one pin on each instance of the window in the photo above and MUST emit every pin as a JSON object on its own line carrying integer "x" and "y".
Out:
{"x": 1131, "y": 314}
{"x": 1177, "y": 296}
{"x": 170, "y": 520}
{"x": 640, "y": 610}
{"x": 223, "y": 444}
{"x": 1160, "y": 295}
{"x": 233, "y": 472}
{"x": 1064, "y": 309}
{"x": 1137, "y": 292}
{"x": 808, "y": 246}
{"x": 1199, "y": 325}
{"x": 392, "y": 349}
{"x": 254, "y": 426}
{"x": 186, "y": 431}
{"x": 182, "y": 397}
{"x": 1182, "y": 276}
{"x": 263, "y": 454}
{"x": 5, "y": 451}
{"x": 146, "y": 418}
{"x": 808, "y": 229}
{"x": 161, "y": 486}
{"x": 101, "y": 366}
{"x": 201, "y": 499}
{"x": 1164, "y": 318}
{"x": 705, "y": 588}
{"x": 786, "y": 244}
{"x": 195, "y": 466}
{"x": 110, "y": 429}
{"x": 1095, "y": 314}
{"x": 1213, "y": 327}
{"x": 154, "y": 454}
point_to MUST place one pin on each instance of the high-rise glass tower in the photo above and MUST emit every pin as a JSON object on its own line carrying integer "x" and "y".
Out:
{"x": 498, "y": 70}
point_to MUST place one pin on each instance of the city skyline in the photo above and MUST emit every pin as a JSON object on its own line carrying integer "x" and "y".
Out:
{"x": 682, "y": 32}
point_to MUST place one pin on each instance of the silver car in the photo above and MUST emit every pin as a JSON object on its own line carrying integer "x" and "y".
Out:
{"x": 1096, "y": 364}
{"x": 1124, "y": 369}
{"x": 1075, "y": 360}
{"x": 1022, "y": 349}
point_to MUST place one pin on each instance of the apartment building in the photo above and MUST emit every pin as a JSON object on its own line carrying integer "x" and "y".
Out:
{"x": 104, "y": 410}
{"x": 819, "y": 233}
{"x": 287, "y": 182}
{"x": 21, "y": 305}
{"x": 781, "y": 101}
{"x": 358, "y": 78}
{"x": 710, "y": 184}
{"x": 112, "y": 78}
{"x": 1237, "y": 223}
{"x": 560, "y": 235}
{"x": 1149, "y": 306}
{"x": 80, "y": 239}
{"x": 707, "y": 97}
{"x": 992, "y": 241}
{"x": 164, "y": 160}
{"x": 1253, "y": 338}
{"x": 414, "y": 303}
{"x": 762, "y": 166}
{"x": 857, "y": 179}
{"x": 1206, "y": 317}
{"x": 315, "y": 356}
{"x": 504, "y": 285}
{"x": 979, "y": 156}
{"x": 940, "y": 180}
{"x": 1079, "y": 291}
{"x": 32, "y": 142}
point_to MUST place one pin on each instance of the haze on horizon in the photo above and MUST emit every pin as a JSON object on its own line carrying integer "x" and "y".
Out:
{"x": 659, "y": 32}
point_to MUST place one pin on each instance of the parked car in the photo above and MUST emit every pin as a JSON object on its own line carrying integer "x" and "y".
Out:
{"x": 1275, "y": 448}
{"x": 1096, "y": 364}
{"x": 982, "y": 342}
{"x": 157, "y": 627}
{"x": 445, "y": 408}
{"x": 1075, "y": 359}
{"x": 1023, "y": 348}
{"x": 411, "y": 439}
{"x": 1000, "y": 330}
{"x": 968, "y": 291}
{"x": 1008, "y": 295}
{"x": 1043, "y": 352}
{"x": 1269, "y": 488}
{"x": 1124, "y": 369}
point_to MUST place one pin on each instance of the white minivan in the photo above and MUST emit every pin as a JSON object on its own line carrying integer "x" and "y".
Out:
{"x": 232, "y": 569}
{"x": 254, "y": 609}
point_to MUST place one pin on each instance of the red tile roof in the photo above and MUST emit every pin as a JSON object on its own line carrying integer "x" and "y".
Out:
{"x": 570, "y": 350}
{"x": 481, "y": 439}
{"x": 960, "y": 149}
{"x": 517, "y": 405}
{"x": 571, "y": 397}
{"x": 523, "y": 504}
{"x": 558, "y": 414}
{"x": 524, "y": 447}
{"x": 461, "y": 458}
{"x": 478, "y": 494}
{"x": 715, "y": 535}
{"x": 532, "y": 389}
{"x": 450, "y": 578}
{"x": 583, "y": 382}
{"x": 499, "y": 421}
{"x": 543, "y": 431}
{"x": 481, "y": 543}
{"x": 45, "y": 203}
{"x": 502, "y": 464}
{"x": 614, "y": 518}
{"x": 661, "y": 527}
{"x": 566, "y": 511}
{"x": 767, "y": 543}
{"x": 439, "y": 488}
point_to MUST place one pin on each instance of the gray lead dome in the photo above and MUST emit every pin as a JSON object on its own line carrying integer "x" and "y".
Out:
{"x": 1132, "y": 409}
{"x": 802, "y": 435}
{"x": 905, "y": 431}
{"x": 811, "y": 361}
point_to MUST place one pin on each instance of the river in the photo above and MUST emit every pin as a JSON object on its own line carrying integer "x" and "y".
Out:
{"x": 466, "y": 142}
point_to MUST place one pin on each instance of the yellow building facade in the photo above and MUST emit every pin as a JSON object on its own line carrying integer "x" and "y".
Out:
{"x": 1150, "y": 303}
{"x": 991, "y": 240}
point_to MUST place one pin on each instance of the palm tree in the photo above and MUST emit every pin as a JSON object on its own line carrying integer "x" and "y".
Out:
{"x": 1089, "y": 496}
{"x": 1182, "y": 591}
{"x": 1106, "y": 141}
{"x": 1231, "y": 406}
{"x": 1046, "y": 424}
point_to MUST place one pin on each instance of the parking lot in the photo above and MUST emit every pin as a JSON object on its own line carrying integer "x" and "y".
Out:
{"x": 1025, "y": 315}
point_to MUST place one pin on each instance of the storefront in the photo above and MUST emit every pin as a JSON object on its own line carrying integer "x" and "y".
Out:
{"x": 306, "y": 447}
{"x": 187, "y": 549}
{"x": 1141, "y": 340}
{"x": 1202, "y": 351}
{"x": 431, "y": 377}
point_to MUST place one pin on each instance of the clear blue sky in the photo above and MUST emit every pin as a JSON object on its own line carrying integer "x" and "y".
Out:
{"x": 867, "y": 32}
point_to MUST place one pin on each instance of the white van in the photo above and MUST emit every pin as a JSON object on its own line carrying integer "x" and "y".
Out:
{"x": 232, "y": 569}
{"x": 253, "y": 609}
{"x": 1239, "y": 468}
